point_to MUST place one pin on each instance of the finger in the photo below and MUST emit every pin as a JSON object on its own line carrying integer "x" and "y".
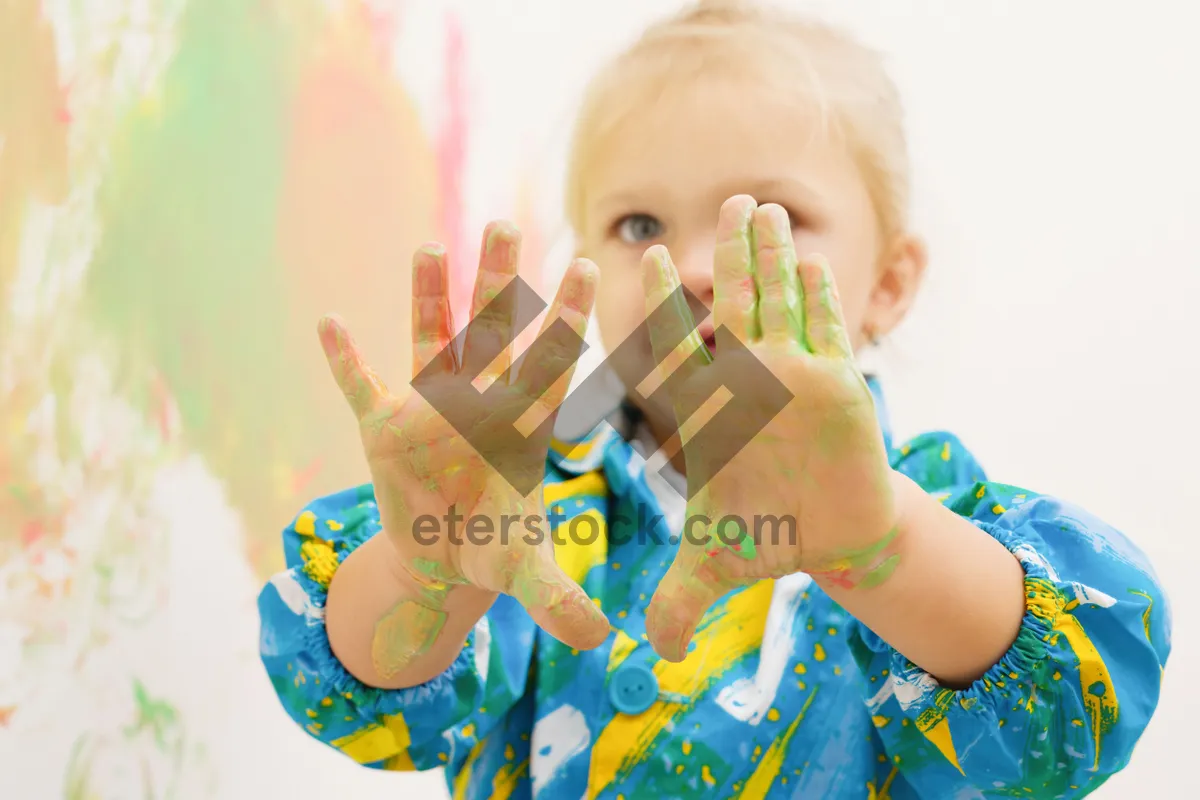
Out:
{"x": 490, "y": 331}
{"x": 688, "y": 399}
{"x": 549, "y": 362}
{"x": 674, "y": 337}
{"x": 556, "y": 603}
{"x": 358, "y": 382}
{"x": 780, "y": 308}
{"x": 735, "y": 302}
{"x": 826, "y": 326}
{"x": 432, "y": 318}
{"x": 683, "y": 597}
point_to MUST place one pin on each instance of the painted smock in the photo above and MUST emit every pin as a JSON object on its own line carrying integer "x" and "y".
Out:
{"x": 784, "y": 694}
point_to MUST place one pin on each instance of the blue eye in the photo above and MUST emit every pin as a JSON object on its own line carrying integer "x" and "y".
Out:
{"x": 637, "y": 228}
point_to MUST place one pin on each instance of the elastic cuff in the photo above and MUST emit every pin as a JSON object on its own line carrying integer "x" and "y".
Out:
{"x": 1020, "y": 662}
{"x": 427, "y": 697}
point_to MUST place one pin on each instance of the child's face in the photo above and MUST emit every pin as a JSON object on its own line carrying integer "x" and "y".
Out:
{"x": 662, "y": 177}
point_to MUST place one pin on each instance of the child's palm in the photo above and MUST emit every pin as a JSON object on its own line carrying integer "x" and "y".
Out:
{"x": 813, "y": 484}
{"x": 441, "y": 503}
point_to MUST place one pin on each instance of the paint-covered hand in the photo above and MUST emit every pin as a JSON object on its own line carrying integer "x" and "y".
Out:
{"x": 459, "y": 491}
{"x": 771, "y": 492}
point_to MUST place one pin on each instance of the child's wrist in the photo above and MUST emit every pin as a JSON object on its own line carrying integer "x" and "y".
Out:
{"x": 429, "y": 582}
{"x": 872, "y": 565}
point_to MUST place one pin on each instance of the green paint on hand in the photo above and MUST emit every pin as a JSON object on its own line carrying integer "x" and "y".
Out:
{"x": 745, "y": 548}
{"x": 881, "y": 573}
{"x": 861, "y": 557}
{"x": 435, "y": 580}
{"x": 752, "y": 244}
{"x": 793, "y": 300}
{"x": 404, "y": 634}
{"x": 737, "y": 541}
{"x": 434, "y": 570}
{"x": 839, "y": 567}
{"x": 500, "y": 230}
{"x": 679, "y": 307}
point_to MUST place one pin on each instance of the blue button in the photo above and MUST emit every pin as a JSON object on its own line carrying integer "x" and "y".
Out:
{"x": 633, "y": 689}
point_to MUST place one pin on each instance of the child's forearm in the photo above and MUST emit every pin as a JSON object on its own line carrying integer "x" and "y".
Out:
{"x": 388, "y": 630}
{"x": 954, "y": 604}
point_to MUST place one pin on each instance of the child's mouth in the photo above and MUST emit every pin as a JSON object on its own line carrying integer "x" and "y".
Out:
{"x": 710, "y": 341}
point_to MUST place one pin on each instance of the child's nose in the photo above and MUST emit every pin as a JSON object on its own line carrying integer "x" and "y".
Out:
{"x": 695, "y": 266}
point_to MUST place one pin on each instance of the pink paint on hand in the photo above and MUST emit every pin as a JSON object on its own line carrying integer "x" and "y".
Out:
{"x": 837, "y": 578}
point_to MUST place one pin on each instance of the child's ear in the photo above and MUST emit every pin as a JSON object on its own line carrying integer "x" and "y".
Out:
{"x": 901, "y": 272}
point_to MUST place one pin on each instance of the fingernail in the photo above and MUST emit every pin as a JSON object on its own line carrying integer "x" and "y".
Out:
{"x": 328, "y": 335}
{"x": 497, "y": 231}
{"x": 579, "y": 284}
{"x": 589, "y": 273}
{"x": 746, "y": 213}
{"x": 681, "y": 646}
{"x": 774, "y": 221}
{"x": 429, "y": 278}
{"x": 743, "y": 205}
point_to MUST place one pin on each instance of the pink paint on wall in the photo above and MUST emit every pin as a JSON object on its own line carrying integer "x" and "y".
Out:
{"x": 451, "y": 149}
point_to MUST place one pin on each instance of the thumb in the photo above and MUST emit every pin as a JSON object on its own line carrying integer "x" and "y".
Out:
{"x": 670, "y": 324}
{"x": 358, "y": 382}
{"x": 683, "y": 598}
{"x": 558, "y": 604}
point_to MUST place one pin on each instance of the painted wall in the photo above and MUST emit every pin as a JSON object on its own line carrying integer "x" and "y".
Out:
{"x": 185, "y": 185}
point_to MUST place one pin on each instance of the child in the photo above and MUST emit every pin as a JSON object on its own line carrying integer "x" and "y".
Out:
{"x": 921, "y": 632}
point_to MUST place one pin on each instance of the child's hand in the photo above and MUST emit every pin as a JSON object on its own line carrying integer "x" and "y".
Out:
{"x": 813, "y": 489}
{"x": 442, "y": 505}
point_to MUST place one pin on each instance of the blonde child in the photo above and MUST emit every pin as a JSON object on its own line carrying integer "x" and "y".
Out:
{"x": 925, "y": 633}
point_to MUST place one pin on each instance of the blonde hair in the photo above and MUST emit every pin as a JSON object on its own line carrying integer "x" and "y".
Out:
{"x": 845, "y": 82}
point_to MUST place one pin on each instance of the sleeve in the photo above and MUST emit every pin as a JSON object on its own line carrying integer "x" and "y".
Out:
{"x": 422, "y": 727}
{"x": 1062, "y": 710}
